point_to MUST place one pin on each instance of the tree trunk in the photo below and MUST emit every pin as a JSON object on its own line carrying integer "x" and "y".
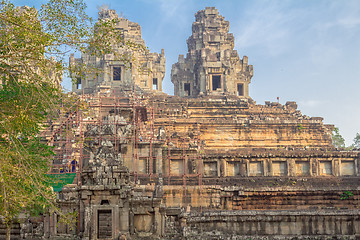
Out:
{"x": 8, "y": 231}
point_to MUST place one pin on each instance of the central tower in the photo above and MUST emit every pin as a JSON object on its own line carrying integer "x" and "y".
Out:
{"x": 211, "y": 66}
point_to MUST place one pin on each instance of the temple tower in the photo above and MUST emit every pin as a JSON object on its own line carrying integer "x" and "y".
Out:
{"x": 211, "y": 66}
{"x": 144, "y": 68}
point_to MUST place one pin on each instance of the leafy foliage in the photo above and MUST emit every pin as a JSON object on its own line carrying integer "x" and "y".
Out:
{"x": 33, "y": 47}
{"x": 338, "y": 140}
{"x": 356, "y": 144}
{"x": 346, "y": 195}
{"x": 24, "y": 159}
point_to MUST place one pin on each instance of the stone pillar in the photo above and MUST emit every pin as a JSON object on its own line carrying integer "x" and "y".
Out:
{"x": 158, "y": 222}
{"x": 310, "y": 166}
{"x": 336, "y": 167}
{"x": 247, "y": 164}
{"x": 107, "y": 72}
{"x": 88, "y": 221}
{"x": 209, "y": 83}
{"x": 116, "y": 223}
{"x": 52, "y": 221}
{"x": 246, "y": 89}
{"x": 159, "y": 160}
{"x": 222, "y": 83}
{"x": 124, "y": 217}
{"x": 131, "y": 223}
{"x": 267, "y": 167}
{"x": 163, "y": 226}
{"x": 47, "y": 226}
{"x": 202, "y": 83}
{"x": 222, "y": 168}
{"x": 291, "y": 167}
{"x": 81, "y": 217}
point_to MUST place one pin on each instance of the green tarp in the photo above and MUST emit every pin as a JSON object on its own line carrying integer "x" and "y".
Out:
{"x": 61, "y": 179}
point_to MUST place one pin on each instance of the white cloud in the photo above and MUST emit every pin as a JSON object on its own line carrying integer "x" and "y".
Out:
{"x": 266, "y": 26}
{"x": 340, "y": 15}
{"x": 174, "y": 9}
{"x": 170, "y": 8}
{"x": 174, "y": 14}
{"x": 348, "y": 22}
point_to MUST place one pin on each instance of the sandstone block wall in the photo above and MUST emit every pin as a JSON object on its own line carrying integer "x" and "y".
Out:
{"x": 272, "y": 225}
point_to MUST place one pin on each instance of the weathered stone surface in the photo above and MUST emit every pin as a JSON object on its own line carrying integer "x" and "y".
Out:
{"x": 211, "y": 66}
{"x": 147, "y": 71}
{"x": 231, "y": 163}
{"x": 227, "y": 123}
{"x": 272, "y": 225}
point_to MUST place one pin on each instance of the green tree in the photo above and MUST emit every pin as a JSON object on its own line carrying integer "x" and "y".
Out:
{"x": 337, "y": 139}
{"x": 33, "y": 47}
{"x": 356, "y": 144}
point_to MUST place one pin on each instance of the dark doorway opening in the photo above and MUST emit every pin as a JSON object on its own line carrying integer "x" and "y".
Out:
{"x": 104, "y": 224}
{"x": 240, "y": 89}
{"x": 154, "y": 165}
{"x": 187, "y": 89}
{"x": 155, "y": 84}
{"x": 216, "y": 82}
{"x": 117, "y": 73}
{"x": 78, "y": 83}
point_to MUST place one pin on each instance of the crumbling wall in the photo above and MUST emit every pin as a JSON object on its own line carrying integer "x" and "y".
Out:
{"x": 225, "y": 122}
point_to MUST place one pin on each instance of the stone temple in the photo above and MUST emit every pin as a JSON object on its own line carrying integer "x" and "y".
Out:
{"x": 211, "y": 66}
{"x": 206, "y": 163}
{"x": 147, "y": 71}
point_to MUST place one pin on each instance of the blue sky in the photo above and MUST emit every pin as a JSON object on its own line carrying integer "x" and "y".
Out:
{"x": 306, "y": 51}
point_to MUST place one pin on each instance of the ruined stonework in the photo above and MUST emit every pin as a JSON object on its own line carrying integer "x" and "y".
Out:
{"x": 106, "y": 201}
{"x": 211, "y": 166}
{"x": 211, "y": 65}
{"x": 146, "y": 69}
{"x": 224, "y": 123}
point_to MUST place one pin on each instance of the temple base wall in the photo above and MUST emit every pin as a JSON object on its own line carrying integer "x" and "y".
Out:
{"x": 272, "y": 225}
